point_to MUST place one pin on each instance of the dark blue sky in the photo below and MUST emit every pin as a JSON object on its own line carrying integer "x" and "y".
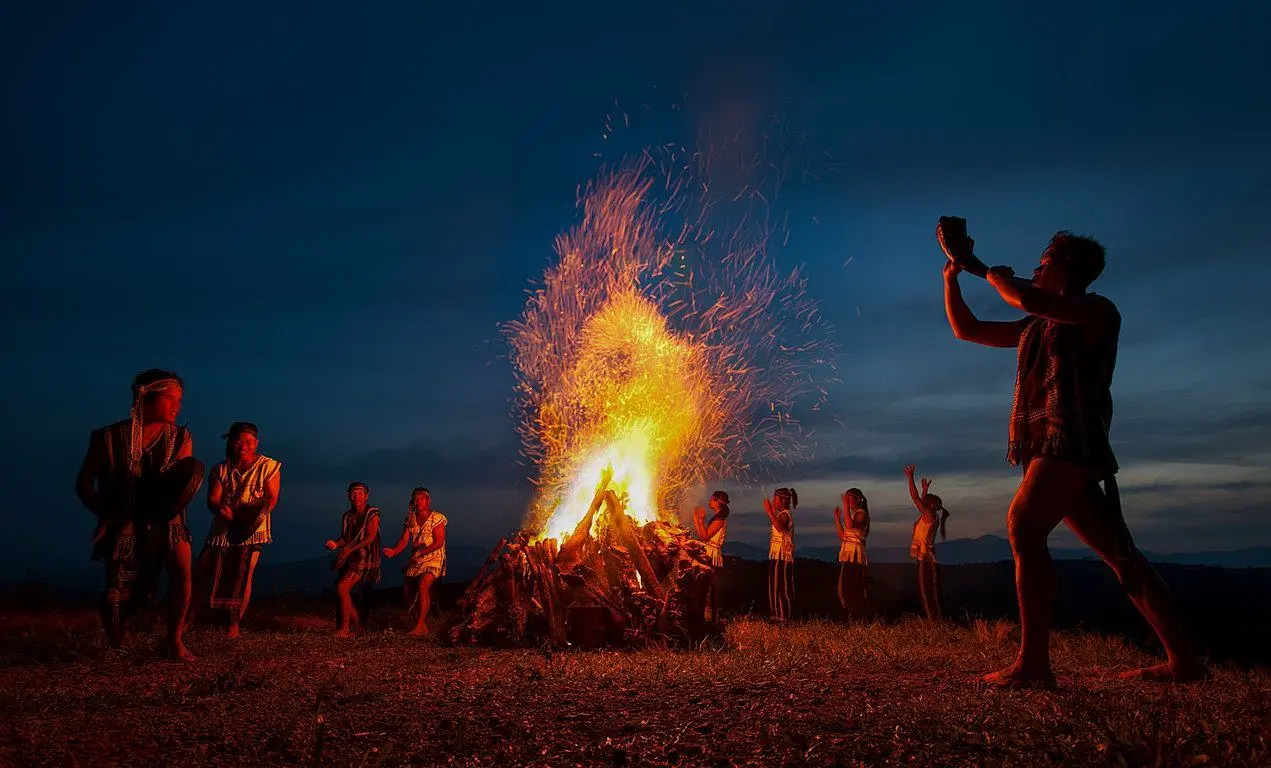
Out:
{"x": 319, "y": 215}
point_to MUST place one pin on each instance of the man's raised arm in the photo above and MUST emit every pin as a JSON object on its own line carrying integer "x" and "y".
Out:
{"x": 966, "y": 326}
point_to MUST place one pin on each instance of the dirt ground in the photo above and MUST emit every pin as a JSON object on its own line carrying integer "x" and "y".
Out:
{"x": 813, "y": 693}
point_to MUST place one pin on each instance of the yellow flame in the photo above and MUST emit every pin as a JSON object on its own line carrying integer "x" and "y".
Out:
{"x": 642, "y": 392}
{"x": 628, "y": 356}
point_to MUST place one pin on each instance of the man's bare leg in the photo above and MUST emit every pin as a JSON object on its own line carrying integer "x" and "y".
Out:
{"x": 1098, "y": 525}
{"x": 425, "y": 600}
{"x": 1050, "y": 489}
{"x": 344, "y": 610}
{"x": 179, "y": 586}
{"x": 236, "y": 618}
{"x": 201, "y": 590}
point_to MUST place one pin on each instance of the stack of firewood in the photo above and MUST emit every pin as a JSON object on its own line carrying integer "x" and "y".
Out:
{"x": 611, "y": 582}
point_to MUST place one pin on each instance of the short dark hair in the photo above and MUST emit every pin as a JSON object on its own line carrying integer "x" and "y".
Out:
{"x": 1085, "y": 256}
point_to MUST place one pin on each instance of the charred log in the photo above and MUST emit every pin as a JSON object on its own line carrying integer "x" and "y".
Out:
{"x": 610, "y": 582}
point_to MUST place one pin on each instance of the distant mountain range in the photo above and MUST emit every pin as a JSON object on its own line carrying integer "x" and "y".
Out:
{"x": 463, "y": 561}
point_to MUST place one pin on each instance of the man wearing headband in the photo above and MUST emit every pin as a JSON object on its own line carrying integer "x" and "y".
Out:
{"x": 137, "y": 477}
{"x": 1066, "y": 346}
{"x": 242, "y": 492}
{"x": 357, "y": 561}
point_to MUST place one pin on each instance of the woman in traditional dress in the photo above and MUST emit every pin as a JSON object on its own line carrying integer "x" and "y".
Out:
{"x": 780, "y": 511}
{"x": 357, "y": 560}
{"x": 932, "y": 516}
{"x": 712, "y": 534}
{"x": 242, "y": 494}
{"x": 425, "y": 531}
{"x": 852, "y": 522}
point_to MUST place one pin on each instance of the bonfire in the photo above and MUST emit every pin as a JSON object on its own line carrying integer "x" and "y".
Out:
{"x": 646, "y": 365}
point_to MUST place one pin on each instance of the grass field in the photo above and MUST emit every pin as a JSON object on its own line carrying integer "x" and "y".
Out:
{"x": 813, "y": 693}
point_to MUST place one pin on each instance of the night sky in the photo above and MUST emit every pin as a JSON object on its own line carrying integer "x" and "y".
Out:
{"x": 319, "y": 215}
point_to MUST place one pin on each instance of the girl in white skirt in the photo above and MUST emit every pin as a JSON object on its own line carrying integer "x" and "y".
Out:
{"x": 425, "y": 530}
{"x": 931, "y": 518}
{"x": 780, "y": 511}
{"x": 712, "y": 534}
{"x": 852, "y": 521}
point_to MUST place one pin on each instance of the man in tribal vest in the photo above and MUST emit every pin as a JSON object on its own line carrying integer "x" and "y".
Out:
{"x": 137, "y": 477}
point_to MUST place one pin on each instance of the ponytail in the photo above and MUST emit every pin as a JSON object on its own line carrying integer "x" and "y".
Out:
{"x": 944, "y": 516}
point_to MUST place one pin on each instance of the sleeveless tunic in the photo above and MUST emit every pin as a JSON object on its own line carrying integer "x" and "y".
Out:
{"x": 126, "y": 495}
{"x": 781, "y": 543}
{"x": 1063, "y": 395}
{"x": 923, "y": 546}
{"x": 365, "y": 562}
{"x": 852, "y": 547}
{"x": 421, "y": 536}
{"x": 715, "y": 545}
{"x": 243, "y": 489}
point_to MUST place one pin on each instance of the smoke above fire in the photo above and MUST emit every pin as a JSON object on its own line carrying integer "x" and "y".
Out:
{"x": 662, "y": 343}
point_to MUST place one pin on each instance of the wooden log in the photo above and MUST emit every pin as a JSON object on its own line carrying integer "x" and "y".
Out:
{"x": 631, "y": 541}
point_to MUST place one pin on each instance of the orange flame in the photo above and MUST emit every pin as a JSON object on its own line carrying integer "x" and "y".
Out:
{"x": 629, "y": 357}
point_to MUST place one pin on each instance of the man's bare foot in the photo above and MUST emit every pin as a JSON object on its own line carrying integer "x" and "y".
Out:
{"x": 1015, "y": 677}
{"x": 419, "y": 631}
{"x": 234, "y": 632}
{"x": 343, "y": 632}
{"x": 177, "y": 651}
{"x": 1167, "y": 673}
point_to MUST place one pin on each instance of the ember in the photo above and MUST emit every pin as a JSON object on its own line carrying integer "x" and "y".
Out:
{"x": 646, "y": 365}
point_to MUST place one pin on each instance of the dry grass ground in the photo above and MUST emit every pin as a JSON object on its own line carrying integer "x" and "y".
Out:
{"x": 812, "y": 693}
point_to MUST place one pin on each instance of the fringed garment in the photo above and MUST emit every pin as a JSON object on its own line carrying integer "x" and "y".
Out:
{"x": 1063, "y": 395}
{"x": 923, "y": 545}
{"x": 852, "y": 547}
{"x": 781, "y": 543}
{"x": 243, "y": 491}
{"x": 146, "y": 513}
{"x": 422, "y": 536}
{"x": 362, "y": 563}
{"x": 715, "y": 544}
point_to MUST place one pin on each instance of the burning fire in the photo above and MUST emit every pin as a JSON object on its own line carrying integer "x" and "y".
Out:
{"x": 670, "y": 360}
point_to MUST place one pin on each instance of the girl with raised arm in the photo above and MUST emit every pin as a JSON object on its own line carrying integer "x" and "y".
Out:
{"x": 932, "y": 517}
{"x": 780, "y": 511}
{"x": 852, "y": 522}
{"x": 712, "y": 534}
{"x": 425, "y": 531}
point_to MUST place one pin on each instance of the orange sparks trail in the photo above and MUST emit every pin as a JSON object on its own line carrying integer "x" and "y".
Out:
{"x": 660, "y": 346}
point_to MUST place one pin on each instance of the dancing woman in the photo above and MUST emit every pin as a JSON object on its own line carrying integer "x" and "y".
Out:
{"x": 712, "y": 534}
{"x": 932, "y": 516}
{"x": 852, "y": 522}
{"x": 780, "y": 511}
{"x": 425, "y": 531}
